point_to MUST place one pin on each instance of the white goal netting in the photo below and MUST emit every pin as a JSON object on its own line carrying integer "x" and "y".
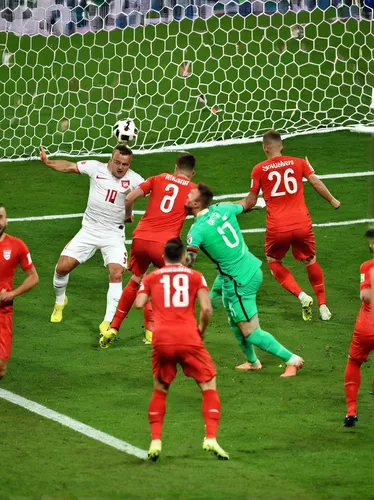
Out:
{"x": 187, "y": 71}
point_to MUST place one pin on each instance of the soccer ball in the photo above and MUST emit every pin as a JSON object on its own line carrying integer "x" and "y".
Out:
{"x": 125, "y": 130}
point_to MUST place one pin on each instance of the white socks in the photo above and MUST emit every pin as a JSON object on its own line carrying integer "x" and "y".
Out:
{"x": 59, "y": 284}
{"x": 112, "y": 298}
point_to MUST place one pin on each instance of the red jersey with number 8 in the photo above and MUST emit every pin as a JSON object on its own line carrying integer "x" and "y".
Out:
{"x": 173, "y": 290}
{"x": 281, "y": 180}
{"x": 165, "y": 212}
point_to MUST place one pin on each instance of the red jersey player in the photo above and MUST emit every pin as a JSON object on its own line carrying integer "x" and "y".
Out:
{"x": 362, "y": 342}
{"x": 177, "y": 339}
{"x": 13, "y": 251}
{"x": 163, "y": 220}
{"x": 288, "y": 223}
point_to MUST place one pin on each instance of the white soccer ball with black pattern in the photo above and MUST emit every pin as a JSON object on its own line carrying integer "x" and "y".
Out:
{"x": 125, "y": 130}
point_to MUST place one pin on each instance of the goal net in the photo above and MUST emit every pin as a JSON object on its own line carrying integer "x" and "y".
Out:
{"x": 188, "y": 72}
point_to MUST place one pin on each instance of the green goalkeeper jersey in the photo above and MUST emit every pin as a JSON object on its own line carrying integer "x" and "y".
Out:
{"x": 217, "y": 233}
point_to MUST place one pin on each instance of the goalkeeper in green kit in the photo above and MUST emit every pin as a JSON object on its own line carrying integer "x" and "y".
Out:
{"x": 216, "y": 232}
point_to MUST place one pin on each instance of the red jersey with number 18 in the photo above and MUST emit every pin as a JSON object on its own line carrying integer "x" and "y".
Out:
{"x": 165, "y": 212}
{"x": 281, "y": 180}
{"x": 174, "y": 290}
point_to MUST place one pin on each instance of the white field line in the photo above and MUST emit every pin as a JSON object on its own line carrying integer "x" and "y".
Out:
{"x": 187, "y": 147}
{"x": 323, "y": 224}
{"x": 326, "y": 176}
{"x": 103, "y": 437}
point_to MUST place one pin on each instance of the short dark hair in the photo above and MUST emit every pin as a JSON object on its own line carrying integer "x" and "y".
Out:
{"x": 186, "y": 162}
{"x": 206, "y": 194}
{"x": 270, "y": 137}
{"x": 369, "y": 233}
{"x": 123, "y": 150}
{"x": 174, "y": 249}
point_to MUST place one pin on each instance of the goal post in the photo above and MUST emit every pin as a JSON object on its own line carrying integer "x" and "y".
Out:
{"x": 225, "y": 72}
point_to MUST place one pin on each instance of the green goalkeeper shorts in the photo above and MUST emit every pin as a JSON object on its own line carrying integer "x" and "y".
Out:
{"x": 240, "y": 300}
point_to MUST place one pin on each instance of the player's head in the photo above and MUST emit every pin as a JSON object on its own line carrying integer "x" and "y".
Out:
{"x": 185, "y": 165}
{"x": 120, "y": 161}
{"x": 3, "y": 220}
{"x": 272, "y": 143}
{"x": 199, "y": 198}
{"x": 370, "y": 234}
{"x": 174, "y": 251}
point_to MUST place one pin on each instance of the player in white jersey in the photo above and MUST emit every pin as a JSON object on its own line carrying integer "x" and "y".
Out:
{"x": 102, "y": 225}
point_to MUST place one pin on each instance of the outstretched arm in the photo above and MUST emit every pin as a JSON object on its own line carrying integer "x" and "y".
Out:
{"x": 205, "y": 309}
{"x": 249, "y": 202}
{"x": 130, "y": 200}
{"x": 63, "y": 166}
{"x": 32, "y": 279}
{"x": 321, "y": 189}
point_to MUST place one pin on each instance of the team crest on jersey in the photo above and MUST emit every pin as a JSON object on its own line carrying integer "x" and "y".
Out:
{"x": 7, "y": 254}
{"x": 189, "y": 239}
{"x": 125, "y": 184}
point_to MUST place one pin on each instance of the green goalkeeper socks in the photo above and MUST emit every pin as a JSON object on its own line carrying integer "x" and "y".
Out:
{"x": 267, "y": 342}
{"x": 244, "y": 343}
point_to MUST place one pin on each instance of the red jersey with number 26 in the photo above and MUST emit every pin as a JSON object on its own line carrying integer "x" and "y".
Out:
{"x": 165, "y": 213}
{"x": 174, "y": 290}
{"x": 365, "y": 319}
{"x": 281, "y": 180}
{"x": 13, "y": 251}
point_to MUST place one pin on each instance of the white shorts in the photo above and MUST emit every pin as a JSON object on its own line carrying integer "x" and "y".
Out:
{"x": 85, "y": 243}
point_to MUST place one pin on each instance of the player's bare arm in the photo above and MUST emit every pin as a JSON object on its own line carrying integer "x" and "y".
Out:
{"x": 205, "y": 309}
{"x": 249, "y": 202}
{"x": 63, "y": 166}
{"x": 321, "y": 189}
{"x": 141, "y": 300}
{"x": 130, "y": 200}
{"x": 31, "y": 280}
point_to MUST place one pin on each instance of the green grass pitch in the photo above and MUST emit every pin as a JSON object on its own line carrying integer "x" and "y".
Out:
{"x": 284, "y": 436}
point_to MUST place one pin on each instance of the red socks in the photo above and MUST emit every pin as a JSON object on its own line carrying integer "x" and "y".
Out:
{"x": 315, "y": 275}
{"x": 284, "y": 277}
{"x": 352, "y": 380}
{"x": 148, "y": 316}
{"x": 211, "y": 409}
{"x": 125, "y": 302}
{"x": 156, "y": 412}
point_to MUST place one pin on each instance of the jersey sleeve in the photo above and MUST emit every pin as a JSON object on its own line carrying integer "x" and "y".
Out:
{"x": 24, "y": 256}
{"x": 147, "y": 185}
{"x": 194, "y": 239}
{"x": 88, "y": 167}
{"x": 138, "y": 179}
{"x": 236, "y": 209}
{"x": 365, "y": 276}
{"x": 145, "y": 285}
{"x": 255, "y": 180}
{"x": 307, "y": 169}
{"x": 201, "y": 283}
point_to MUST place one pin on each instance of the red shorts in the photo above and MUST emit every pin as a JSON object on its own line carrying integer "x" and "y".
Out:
{"x": 5, "y": 334}
{"x": 301, "y": 240}
{"x": 194, "y": 360}
{"x": 144, "y": 253}
{"x": 361, "y": 346}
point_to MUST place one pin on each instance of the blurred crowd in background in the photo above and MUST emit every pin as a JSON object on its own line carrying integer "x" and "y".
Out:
{"x": 69, "y": 16}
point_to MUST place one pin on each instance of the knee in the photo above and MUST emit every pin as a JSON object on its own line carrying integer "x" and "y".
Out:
{"x": 115, "y": 274}
{"x": 2, "y": 371}
{"x": 309, "y": 261}
{"x": 62, "y": 268}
